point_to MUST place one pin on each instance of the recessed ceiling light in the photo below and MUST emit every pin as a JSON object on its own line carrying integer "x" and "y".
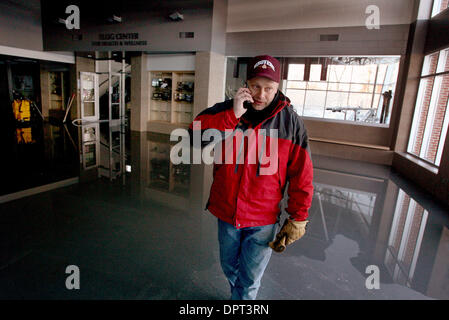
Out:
{"x": 176, "y": 16}
{"x": 115, "y": 19}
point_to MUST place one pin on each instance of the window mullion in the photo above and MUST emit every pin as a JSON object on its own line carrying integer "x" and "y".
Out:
{"x": 429, "y": 120}
{"x": 443, "y": 134}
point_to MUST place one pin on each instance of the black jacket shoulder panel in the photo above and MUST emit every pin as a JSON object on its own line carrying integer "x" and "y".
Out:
{"x": 218, "y": 107}
{"x": 301, "y": 131}
{"x": 290, "y": 126}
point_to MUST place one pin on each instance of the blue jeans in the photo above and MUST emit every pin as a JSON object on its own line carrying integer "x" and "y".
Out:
{"x": 244, "y": 255}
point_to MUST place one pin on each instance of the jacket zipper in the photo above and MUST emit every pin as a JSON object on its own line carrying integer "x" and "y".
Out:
{"x": 234, "y": 218}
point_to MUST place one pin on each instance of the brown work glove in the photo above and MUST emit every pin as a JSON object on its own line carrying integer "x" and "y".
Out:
{"x": 290, "y": 232}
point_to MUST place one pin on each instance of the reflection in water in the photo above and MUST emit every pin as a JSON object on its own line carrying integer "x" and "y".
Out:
{"x": 123, "y": 230}
{"x": 157, "y": 179}
{"x": 38, "y": 154}
{"x": 343, "y": 199}
{"x": 163, "y": 174}
{"x": 112, "y": 150}
{"x": 389, "y": 227}
{"x": 406, "y": 235}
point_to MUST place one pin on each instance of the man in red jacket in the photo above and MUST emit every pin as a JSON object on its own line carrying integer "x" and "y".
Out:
{"x": 246, "y": 192}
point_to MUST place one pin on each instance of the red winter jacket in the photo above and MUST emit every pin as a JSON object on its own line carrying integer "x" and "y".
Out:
{"x": 242, "y": 193}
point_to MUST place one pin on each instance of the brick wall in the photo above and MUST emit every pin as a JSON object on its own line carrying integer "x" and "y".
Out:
{"x": 440, "y": 110}
{"x": 425, "y": 106}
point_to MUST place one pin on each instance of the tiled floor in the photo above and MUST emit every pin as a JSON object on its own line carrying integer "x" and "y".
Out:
{"x": 129, "y": 246}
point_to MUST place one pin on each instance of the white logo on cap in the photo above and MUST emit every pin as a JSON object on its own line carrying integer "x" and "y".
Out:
{"x": 264, "y": 64}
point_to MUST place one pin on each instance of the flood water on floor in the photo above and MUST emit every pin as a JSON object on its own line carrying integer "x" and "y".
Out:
{"x": 150, "y": 238}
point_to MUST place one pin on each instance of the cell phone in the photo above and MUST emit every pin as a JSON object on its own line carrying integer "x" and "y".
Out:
{"x": 246, "y": 104}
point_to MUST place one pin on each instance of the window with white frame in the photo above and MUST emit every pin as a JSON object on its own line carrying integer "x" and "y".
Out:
{"x": 438, "y": 6}
{"x": 431, "y": 117}
{"x": 359, "y": 89}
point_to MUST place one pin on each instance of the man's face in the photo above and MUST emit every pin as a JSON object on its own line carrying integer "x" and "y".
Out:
{"x": 263, "y": 91}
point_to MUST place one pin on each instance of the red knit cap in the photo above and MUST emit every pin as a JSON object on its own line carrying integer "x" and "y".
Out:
{"x": 264, "y": 66}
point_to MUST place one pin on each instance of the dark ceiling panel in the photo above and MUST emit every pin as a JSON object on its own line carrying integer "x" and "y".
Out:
{"x": 144, "y": 26}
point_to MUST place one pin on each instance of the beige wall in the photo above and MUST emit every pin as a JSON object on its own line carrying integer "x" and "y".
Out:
{"x": 351, "y": 152}
{"x": 411, "y": 85}
{"x": 388, "y": 40}
{"x": 139, "y": 92}
{"x": 209, "y": 80}
{"x": 255, "y": 15}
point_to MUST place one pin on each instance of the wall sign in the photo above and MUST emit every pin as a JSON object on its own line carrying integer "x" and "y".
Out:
{"x": 119, "y": 39}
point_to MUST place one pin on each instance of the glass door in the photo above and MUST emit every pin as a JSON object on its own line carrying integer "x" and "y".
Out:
{"x": 89, "y": 96}
{"x": 90, "y": 132}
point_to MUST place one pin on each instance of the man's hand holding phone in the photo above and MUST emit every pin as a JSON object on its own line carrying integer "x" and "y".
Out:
{"x": 242, "y": 95}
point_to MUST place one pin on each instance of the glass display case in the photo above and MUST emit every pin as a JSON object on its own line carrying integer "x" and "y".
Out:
{"x": 171, "y": 97}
